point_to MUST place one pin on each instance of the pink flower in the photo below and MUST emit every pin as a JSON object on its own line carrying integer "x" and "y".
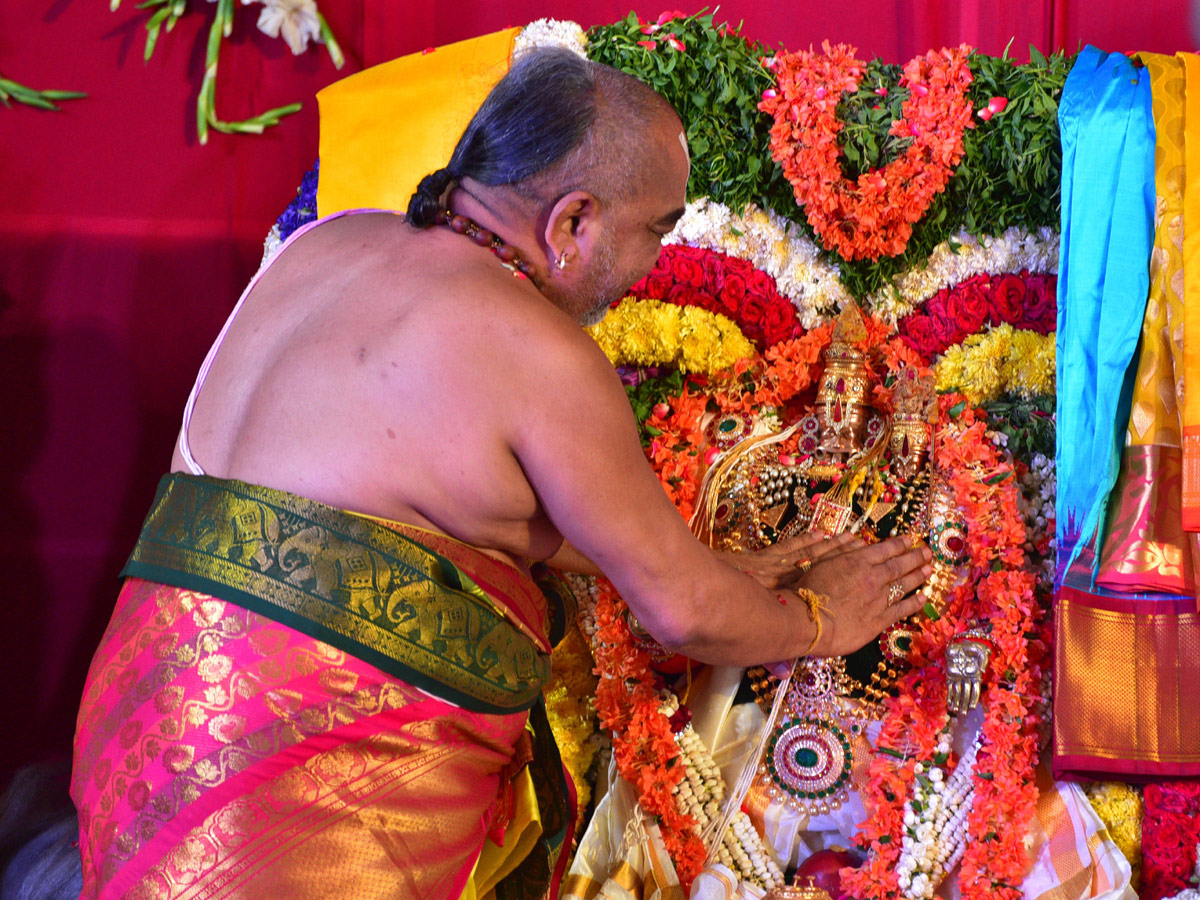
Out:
{"x": 767, "y": 62}
{"x": 649, "y": 45}
{"x": 984, "y": 114}
{"x": 919, "y": 89}
{"x": 675, "y": 43}
{"x": 881, "y": 91}
{"x": 662, "y": 410}
{"x": 666, "y": 16}
{"x": 648, "y": 28}
{"x": 996, "y": 105}
{"x": 770, "y": 94}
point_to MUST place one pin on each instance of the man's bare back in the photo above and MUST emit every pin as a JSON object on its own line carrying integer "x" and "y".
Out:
{"x": 372, "y": 368}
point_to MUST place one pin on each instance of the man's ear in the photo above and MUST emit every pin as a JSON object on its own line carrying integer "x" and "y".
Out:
{"x": 572, "y": 229}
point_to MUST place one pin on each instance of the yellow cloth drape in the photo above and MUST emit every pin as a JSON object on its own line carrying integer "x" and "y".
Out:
{"x": 387, "y": 127}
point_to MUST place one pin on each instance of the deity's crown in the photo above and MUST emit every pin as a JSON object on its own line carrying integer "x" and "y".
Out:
{"x": 845, "y": 375}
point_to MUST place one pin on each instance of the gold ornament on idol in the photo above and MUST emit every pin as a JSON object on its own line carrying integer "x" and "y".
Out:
{"x": 842, "y": 395}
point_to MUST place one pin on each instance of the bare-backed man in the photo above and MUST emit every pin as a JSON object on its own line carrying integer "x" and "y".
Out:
{"x": 322, "y": 665}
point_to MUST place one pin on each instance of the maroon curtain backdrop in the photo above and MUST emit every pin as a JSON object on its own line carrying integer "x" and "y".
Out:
{"x": 123, "y": 245}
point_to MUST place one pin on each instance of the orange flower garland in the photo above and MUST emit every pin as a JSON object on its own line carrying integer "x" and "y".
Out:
{"x": 998, "y": 591}
{"x": 873, "y": 215}
{"x": 629, "y": 705}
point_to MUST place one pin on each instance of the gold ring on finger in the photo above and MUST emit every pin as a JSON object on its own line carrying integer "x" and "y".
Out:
{"x": 895, "y": 593}
{"x": 803, "y": 565}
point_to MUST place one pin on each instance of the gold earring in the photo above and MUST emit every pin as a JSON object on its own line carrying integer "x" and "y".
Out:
{"x": 561, "y": 262}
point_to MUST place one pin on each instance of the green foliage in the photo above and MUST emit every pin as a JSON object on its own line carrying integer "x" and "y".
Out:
{"x": 1009, "y": 175}
{"x": 715, "y": 85}
{"x": 1029, "y": 425}
{"x": 867, "y": 118}
{"x": 1010, "y": 171}
{"x": 13, "y": 91}
{"x": 650, "y": 391}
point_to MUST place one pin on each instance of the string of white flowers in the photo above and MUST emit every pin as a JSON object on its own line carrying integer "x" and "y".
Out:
{"x": 699, "y": 795}
{"x": 813, "y": 284}
{"x": 586, "y": 597}
{"x": 1036, "y": 502}
{"x": 551, "y": 33}
{"x": 935, "y": 821}
{"x": 271, "y": 245}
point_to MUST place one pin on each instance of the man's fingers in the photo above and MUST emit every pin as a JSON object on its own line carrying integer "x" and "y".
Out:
{"x": 779, "y": 669}
{"x": 909, "y": 561}
{"x": 814, "y": 545}
{"x": 908, "y": 606}
{"x": 884, "y": 550}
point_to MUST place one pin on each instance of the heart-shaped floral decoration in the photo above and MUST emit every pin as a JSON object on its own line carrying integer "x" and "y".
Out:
{"x": 873, "y": 215}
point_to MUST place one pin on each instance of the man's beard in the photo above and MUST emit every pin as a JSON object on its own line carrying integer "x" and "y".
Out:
{"x": 603, "y": 287}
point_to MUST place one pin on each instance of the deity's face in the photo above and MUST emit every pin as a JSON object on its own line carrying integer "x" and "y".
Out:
{"x": 843, "y": 426}
{"x": 908, "y": 447}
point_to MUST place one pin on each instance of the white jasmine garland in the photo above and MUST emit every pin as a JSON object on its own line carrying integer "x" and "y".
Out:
{"x": 1036, "y": 502}
{"x": 551, "y": 33}
{"x": 586, "y": 595}
{"x": 935, "y": 822}
{"x": 699, "y": 795}
{"x": 271, "y": 245}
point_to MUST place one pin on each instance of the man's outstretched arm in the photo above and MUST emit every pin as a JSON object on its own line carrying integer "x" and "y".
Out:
{"x": 575, "y": 437}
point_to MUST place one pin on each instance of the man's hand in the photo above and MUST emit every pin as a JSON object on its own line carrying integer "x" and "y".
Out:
{"x": 782, "y": 565}
{"x": 869, "y": 588}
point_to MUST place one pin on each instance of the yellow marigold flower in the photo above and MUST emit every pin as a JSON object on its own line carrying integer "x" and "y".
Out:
{"x": 1120, "y": 808}
{"x": 1002, "y": 360}
{"x": 654, "y": 333}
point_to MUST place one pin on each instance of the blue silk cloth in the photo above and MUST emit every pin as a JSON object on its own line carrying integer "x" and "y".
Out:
{"x": 1107, "y": 132}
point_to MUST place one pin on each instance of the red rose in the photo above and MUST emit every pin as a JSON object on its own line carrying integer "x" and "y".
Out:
{"x": 779, "y": 321}
{"x": 919, "y": 334}
{"x": 945, "y": 329}
{"x": 752, "y": 320}
{"x": 1008, "y": 300}
{"x": 1041, "y": 304}
{"x": 1174, "y": 797}
{"x": 686, "y": 270}
{"x": 733, "y": 289}
{"x": 968, "y": 306}
{"x": 685, "y": 295}
{"x": 655, "y": 286}
{"x": 935, "y": 306}
{"x": 759, "y": 282}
